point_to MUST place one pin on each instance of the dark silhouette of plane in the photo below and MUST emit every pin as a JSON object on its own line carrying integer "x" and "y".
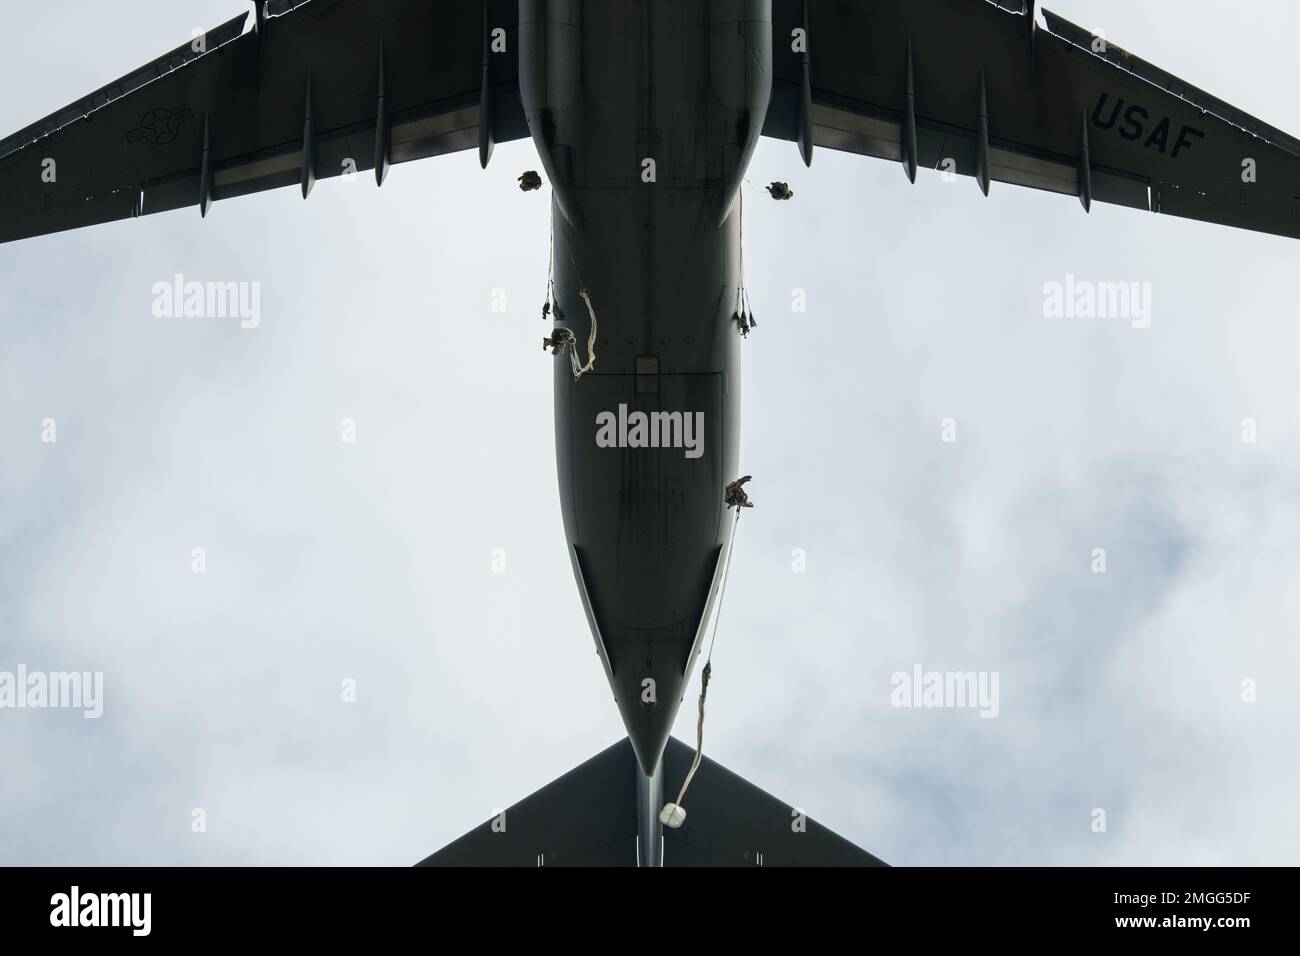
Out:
{"x": 645, "y": 114}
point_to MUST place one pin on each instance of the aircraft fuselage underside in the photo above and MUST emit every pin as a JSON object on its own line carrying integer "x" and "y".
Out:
{"x": 645, "y": 135}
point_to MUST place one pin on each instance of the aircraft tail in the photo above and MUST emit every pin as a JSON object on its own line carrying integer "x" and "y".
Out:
{"x": 588, "y": 817}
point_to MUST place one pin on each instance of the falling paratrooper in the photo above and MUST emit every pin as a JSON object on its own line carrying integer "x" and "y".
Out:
{"x": 735, "y": 496}
{"x": 561, "y": 339}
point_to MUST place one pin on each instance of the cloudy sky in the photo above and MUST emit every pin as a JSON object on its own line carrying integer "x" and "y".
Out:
{"x": 372, "y": 561}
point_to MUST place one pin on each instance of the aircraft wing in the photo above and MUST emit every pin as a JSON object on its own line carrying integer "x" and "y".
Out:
{"x": 317, "y": 88}
{"x": 979, "y": 88}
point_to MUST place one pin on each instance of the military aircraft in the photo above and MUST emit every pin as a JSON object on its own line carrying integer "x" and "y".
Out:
{"x": 645, "y": 115}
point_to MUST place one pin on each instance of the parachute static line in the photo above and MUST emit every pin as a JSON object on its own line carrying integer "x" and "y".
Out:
{"x": 673, "y": 815}
{"x": 550, "y": 277}
{"x": 564, "y": 339}
{"x": 581, "y": 370}
{"x": 552, "y": 305}
{"x": 743, "y": 315}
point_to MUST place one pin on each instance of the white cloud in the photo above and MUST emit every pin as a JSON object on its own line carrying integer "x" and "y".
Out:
{"x": 372, "y": 561}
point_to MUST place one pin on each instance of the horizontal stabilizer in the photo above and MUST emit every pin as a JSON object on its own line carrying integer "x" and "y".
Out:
{"x": 588, "y": 818}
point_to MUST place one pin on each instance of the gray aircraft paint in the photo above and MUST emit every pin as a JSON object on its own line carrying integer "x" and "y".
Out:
{"x": 943, "y": 92}
{"x": 688, "y": 86}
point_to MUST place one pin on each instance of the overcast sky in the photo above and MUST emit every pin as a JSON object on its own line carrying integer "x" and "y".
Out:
{"x": 372, "y": 561}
